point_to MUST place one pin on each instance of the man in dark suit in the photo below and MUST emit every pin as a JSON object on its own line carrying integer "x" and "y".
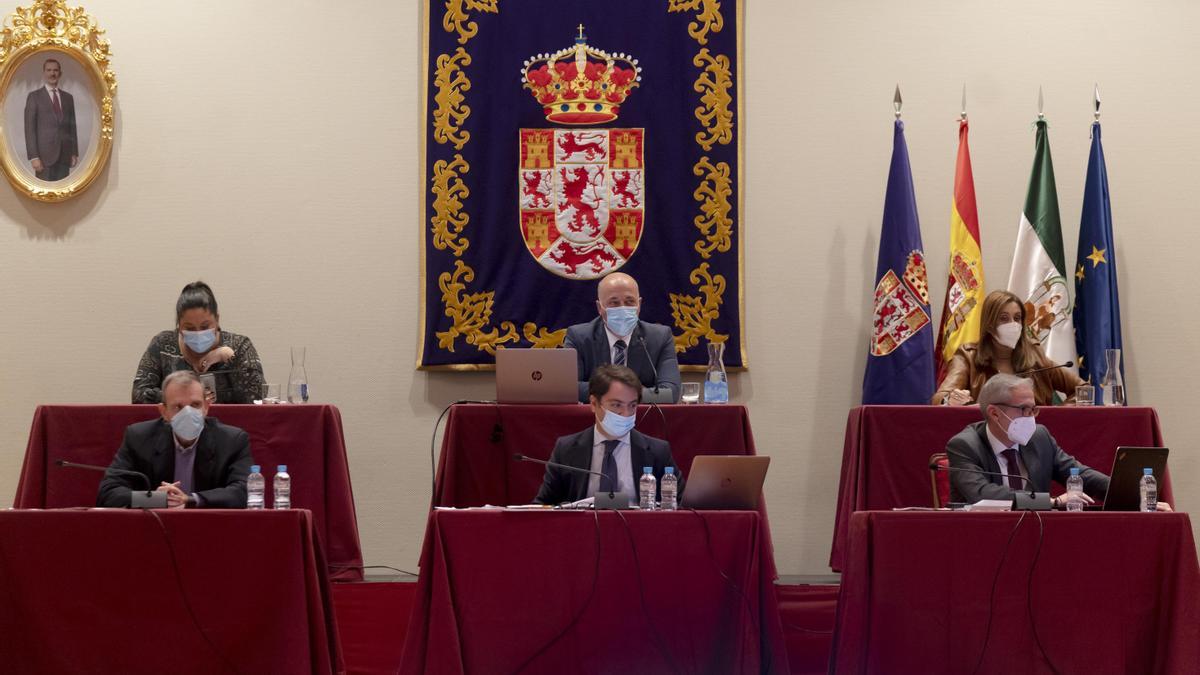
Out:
{"x": 618, "y": 337}
{"x": 1010, "y": 441}
{"x": 611, "y": 446}
{"x": 51, "y": 142}
{"x": 196, "y": 460}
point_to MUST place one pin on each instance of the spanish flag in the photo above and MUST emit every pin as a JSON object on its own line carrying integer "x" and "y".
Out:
{"x": 965, "y": 290}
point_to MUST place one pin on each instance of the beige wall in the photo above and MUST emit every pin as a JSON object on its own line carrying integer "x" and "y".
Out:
{"x": 236, "y": 161}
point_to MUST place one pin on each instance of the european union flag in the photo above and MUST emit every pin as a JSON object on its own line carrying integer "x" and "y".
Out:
{"x": 900, "y": 361}
{"x": 1097, "y": 313}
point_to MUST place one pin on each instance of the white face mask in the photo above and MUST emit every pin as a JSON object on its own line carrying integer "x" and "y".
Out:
{"x": 1008, "y": 334}
{"x": 188, "y": 423}
{"x": 616, "y": 425}
{"x": 1020, "y": 429}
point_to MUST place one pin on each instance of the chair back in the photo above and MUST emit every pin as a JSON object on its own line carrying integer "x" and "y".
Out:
{"x": 939, "y": 479}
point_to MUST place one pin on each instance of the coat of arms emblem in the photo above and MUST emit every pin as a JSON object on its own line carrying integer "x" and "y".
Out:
{"x": 581, "y": 189}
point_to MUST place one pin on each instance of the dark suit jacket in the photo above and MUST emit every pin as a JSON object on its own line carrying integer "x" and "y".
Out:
{"x": 1043, "y": 459}
{"x": 219, "y": 475}
{"x": 575, "y": 450}
{"x": 47, "y": 137}
{"x": 590, "y": 341}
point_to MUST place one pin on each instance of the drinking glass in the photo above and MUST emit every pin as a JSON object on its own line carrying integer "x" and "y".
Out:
{"x": 1085, "y": 394}
{"x": 691, "y": 392}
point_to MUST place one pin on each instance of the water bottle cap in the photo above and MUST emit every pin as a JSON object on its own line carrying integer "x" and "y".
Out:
{"x": 670, "y": 470}
{"x": 1074, "y": 471}
{"x": 647, "y": 469}
{"x": 282, "y": 468}
{"x": 1147, "y": 471}
{"x": 254, "y": 468}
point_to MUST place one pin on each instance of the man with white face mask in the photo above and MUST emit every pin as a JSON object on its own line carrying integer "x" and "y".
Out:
{"x": 619, "y": 337}
{"x": 196, "y": 460}
{"x": 611, "y": 447}
{"x": 1010, "y": 441}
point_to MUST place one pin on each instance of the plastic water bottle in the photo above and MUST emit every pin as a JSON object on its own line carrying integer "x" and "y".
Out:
{"x": 256, "y": 485}
{"x": 1075, "y": 491}
{"x": 669, "y": 489}
{"x": 1149, "y": 489}
{"x": 282, "y": 488}
{"x": 647, "y": 486}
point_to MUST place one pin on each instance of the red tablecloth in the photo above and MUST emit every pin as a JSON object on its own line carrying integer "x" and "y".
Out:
{"x": 1109, "y": 593}
{"x": 885, "y": 461}
{"x": 573, "y": 591}
{"x": 119, "y": 591}
{"x": 308, "y": 438}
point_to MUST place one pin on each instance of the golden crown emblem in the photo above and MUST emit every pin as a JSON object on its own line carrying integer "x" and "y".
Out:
{"x": 581, "y": 84}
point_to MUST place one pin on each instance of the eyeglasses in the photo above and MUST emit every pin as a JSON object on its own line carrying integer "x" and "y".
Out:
{"x": 1026, "y": 410}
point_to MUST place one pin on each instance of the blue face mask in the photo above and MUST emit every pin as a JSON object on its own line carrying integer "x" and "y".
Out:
{"x": 199, "y": 341}
{"x": 616, "y": 425}
{"x": 621, "y": 320}
{"x": 188, "y": 423}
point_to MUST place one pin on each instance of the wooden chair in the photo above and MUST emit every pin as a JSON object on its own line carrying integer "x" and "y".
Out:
{"x": 939, "y": 479}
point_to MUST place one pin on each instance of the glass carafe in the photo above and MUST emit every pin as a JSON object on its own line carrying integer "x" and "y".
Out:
{"x": 716, "y": 382}
{"x": 1112, "y": 385}
{"x": 298, "y": 378}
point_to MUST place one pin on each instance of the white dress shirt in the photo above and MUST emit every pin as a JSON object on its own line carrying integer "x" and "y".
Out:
{"x": 622, "y": 456}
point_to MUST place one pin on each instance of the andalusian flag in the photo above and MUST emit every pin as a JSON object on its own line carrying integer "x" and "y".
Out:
{"x": 1097, "y": 305}
{"x": 1038, "y": 272}
{"x": 964, "y": 292}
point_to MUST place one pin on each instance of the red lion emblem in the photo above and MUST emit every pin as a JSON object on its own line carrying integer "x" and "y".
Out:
{"x": 621, "y": 192}
{"x": 533, "y": 181}
{"x": 570, "y": 145}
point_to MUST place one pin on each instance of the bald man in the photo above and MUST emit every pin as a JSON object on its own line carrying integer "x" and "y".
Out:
{"x": 617, "y": 336}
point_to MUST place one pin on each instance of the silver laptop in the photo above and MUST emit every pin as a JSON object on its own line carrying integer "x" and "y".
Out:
{"x": 725, "y": 482}
{"x": 537, "y": 376}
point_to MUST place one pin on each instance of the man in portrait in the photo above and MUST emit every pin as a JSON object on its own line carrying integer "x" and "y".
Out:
{"x": 50, "y": 137}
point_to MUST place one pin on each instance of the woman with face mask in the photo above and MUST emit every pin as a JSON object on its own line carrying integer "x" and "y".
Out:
{"x": 1003, "y": 347}
{"x": 198, "y": 344}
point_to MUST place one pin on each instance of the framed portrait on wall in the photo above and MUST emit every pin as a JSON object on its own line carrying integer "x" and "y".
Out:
{"x": 56, "y": 101}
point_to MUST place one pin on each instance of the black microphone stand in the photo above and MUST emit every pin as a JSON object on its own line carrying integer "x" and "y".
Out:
{"x": 611, "y": 500}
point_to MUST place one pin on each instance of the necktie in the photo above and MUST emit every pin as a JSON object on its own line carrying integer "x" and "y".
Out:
{"x": 57, "y": 105}
{"x": 619, "y": 353}
{"x": 609, "y": 467}
{"x": 1010, "y": 456}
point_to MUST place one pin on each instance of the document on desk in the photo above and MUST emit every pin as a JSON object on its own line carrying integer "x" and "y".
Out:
{"x": 989, "y": 505}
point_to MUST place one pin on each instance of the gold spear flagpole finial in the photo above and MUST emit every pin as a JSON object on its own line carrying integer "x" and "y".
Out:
{"x": 963, "y": 115}
{"x": 1041, "y": 104}
{"x": 1096, "y": 102}
{"x": 897, "y": 101}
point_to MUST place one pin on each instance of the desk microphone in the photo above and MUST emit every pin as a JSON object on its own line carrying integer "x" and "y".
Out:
{"x": 613, "y": 500}
{"x": 653, "y": 369}
{"x": 138, "y": 499}
{"x": 1031, "y": 371}
{"x": 1022, "y": 501}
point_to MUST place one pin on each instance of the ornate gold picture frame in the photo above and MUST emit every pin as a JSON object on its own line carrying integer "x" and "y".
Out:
{"x": 56, "y": 100}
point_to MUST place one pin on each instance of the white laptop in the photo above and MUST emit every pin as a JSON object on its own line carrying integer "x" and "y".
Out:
{"x": 537, "y": 376}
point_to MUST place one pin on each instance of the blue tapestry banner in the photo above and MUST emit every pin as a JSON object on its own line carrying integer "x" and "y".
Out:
{"x": 566, "y": 140}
